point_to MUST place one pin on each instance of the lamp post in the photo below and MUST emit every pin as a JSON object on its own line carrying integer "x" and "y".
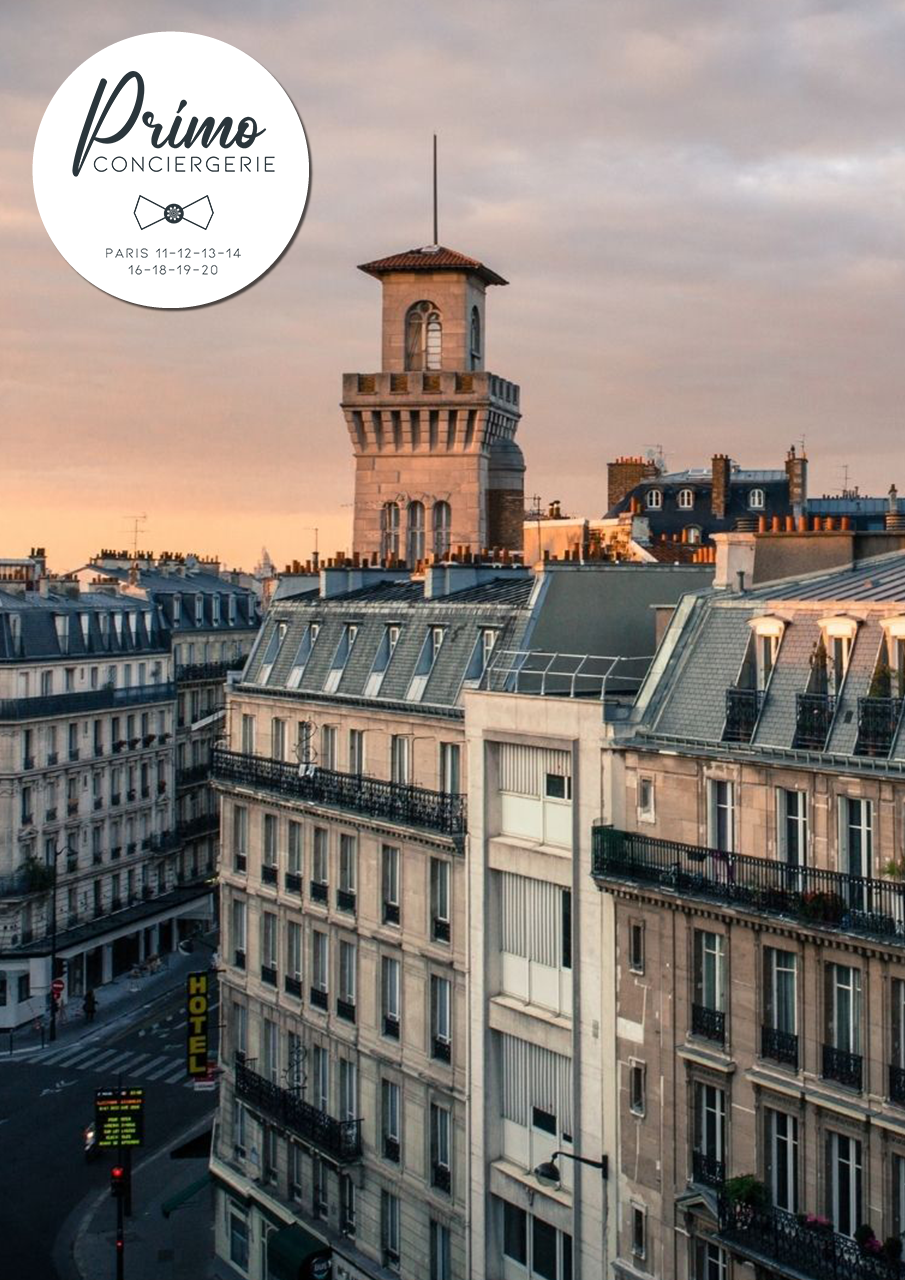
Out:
{"x": 548, "y": 1175}
{"x": 67, "y": 848}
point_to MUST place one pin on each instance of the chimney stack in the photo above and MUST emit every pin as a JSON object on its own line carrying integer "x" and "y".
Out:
{"x": 624, "y": 474}
{"x": 721, "y": 471}
{"x": 797, "y": 475}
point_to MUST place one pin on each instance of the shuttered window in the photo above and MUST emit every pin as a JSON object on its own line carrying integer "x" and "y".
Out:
{"x": 531, "y": 922}
{"x": 523, "y": 770}
{"x": 534, "y": 1079}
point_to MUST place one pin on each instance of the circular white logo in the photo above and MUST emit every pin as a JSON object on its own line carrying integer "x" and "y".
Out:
{"x": 171, "y": 170}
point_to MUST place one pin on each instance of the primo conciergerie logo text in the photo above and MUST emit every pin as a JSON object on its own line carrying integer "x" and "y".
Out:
{"x": 176, "y": 229}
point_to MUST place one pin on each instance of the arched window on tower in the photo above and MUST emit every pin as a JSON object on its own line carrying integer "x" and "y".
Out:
{"x": 389, "y": 531}
{"x": 423, "y": 337}
{"x": 476, "y": 356}
{"x": 415, "y": 549}
{"x": 442, "y": 524}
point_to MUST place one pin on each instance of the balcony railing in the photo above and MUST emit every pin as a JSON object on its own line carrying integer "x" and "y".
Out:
{"x": 192, "y": 775}
{"x": 813, "y": 717}
{"x": 897, "y": 1084}
{"x": 319, "y": 999}
{"x": 833, "y": 899}
{"x": 293, "y": 882}
{"x": 345, "y": 1009}
{"x": 345, "y": 899}
{"x": 318, "y": 891}
{"x": 269, "y": 974}
{"x": 708, "y": 1023}
{"x": 269, "y": 873}
{"x": 842, "y": 1066}
{"x": 785, "y": 1244}
{"x": 76, "y": 703}
{"x": 192, "y": 671}
{"x": 338, "y": 1139}
{"x": 440, "y": 929}
{"x": 707, "y": 1170}
{"x": 391, "y": 1148}
{"x": 441, "y": 1177}
{"x": 293, "y": 986}
{"x": 742, "y": 710}
{"x": 391, "y": 801}
{"x": 441, "y": 1049}
{"x": 205, "y": 824}
{"x": 391, "y": 913}
{"x": 779, "y": 1046}
{"x": 878, "y": 723}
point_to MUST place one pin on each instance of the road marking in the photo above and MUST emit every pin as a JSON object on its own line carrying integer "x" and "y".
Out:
{"x": 166, "y": 1069}
{"x": 92, "y": 1061}
{"x": 155, "y": 1065}
{"x": 75, "y": 1055}
{"x": 176, "y": 1076}
{"x": 131, "y": 1060}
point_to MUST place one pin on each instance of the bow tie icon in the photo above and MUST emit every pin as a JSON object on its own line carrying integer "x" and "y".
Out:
{"x": 147, "y": 213}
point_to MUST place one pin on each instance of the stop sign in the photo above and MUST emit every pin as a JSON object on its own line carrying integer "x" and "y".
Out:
{"x": 57, "y": 986}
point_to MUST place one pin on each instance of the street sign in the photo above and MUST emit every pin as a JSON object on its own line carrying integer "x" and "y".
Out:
{"x": 196, "y": 1011}
{"x": 119, "y": 1117}
{"x": 58, "y": 986}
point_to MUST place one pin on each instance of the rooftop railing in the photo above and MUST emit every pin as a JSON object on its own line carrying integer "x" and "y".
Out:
{"x": 188, "y": 672}
{"x": 60, "y": 704}
{"x": 339, "y": 1139}
{"x": 563, "y": 675}
{"x": 391, "y": 801}
{"x": 845, "y": 903}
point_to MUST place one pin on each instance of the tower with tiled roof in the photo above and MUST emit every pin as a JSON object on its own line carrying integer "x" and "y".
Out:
{"x": 436, "y": 463}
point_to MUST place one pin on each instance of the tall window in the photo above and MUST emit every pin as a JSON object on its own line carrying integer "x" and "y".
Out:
{"x": 389, "y": 1119}
{"x": 320, "y": 1082}
{"x": 348, "y": 1090}
{"x": 389, "y": 531}
{"x": 441, "y": 1143}
{"x": 756, "y": 499}
{"x": 415, "y": 546}
{"x": 440, "y": 1252}
{"x": 401, "y": 758}
{"x": 248, "y": 734}
{"x": 709, "y": 969}
{"x": 856, "y": 832}
{"x": 686, "y": 499}
{"x": 346, "y": 1002}
{"x": 319, "y": 964}
{"x": 390, "y": 883}
{"x": 356, "y": 751}
{"x": 897, "y": 1000}
{"x": 710, "y": 1261}
{"x": 423, "y": 337}
{"x": 295, "y": 849}
{"x": 239, "y": 932}
{"x": 780, "y": 992}
{"x": 441, "y": 1018}
{"x": 843, "y": 1008}
{"x": 475, "y": 338}
{"x": 450, "y": 768}
{"x": 389, "y": 1229}
{"x": 781, "y": 1149}
{"x": 709, "y": 1133}
{"x": 792, "y": 809}
{"x": 442, "y": 525}
{"x": 293, "y": 950}
{"x": 389, "y": 971}
{"x": 439, "y": 890}
{"x": 721, "y": 815}
{"x": 843, "y": 1182}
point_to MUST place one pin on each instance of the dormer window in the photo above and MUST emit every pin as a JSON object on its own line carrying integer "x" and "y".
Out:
{"x": 430, "y": 651}
{"x": 654, "y": 499}
{"x": 768, "y": 633}
{"x": 475, "y": 338}
{"x": 686, "y": 499}
{"x": 693, "y": 534}
{"x": 423, "y": 336}
{"x": 340, "y": 658}
{"x": 303, "y": 653}
{"x": 837, "y": 635}
{"x": 199, "y": 609}
{"x": 271, "y": 653}
{"x": 481, "y": 656}
{"x": 382, "y": 661}
{"x": 756, "y": 499}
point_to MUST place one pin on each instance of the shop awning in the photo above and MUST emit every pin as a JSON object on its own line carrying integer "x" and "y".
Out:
{"x": 292, "y": 1251}
{"x": 183, "y": 1196}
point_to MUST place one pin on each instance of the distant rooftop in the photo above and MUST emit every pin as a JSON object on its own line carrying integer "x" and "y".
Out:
{"x": 432, "y": 257}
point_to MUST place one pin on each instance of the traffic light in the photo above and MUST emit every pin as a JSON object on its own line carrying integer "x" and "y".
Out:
{"x": 118, "y": 1181}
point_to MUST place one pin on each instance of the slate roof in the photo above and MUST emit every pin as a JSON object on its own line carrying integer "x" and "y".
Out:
{"x": 431, "y": 258}
{"x": 37, "y": 630}
{"x": 164, "y": 587}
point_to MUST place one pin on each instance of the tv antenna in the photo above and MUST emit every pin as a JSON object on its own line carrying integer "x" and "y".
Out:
{"x": 137, "y": 523}
{"x": 436, "y": 239}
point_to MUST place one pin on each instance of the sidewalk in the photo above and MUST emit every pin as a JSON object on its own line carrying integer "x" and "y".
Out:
{"x": 177, "y": 1247}
{"x": 117, "y": 1003}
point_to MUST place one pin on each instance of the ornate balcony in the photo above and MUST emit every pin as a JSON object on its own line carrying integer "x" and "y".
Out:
{"x": 391, "y": 913}
{"x": 816, "y": 898}
{"x": 842, "y": 1066}
{"x": 319, "y": 999}
{"x": 205, "y": 824}
{"x": 813, "y": 718}
{"x": 269, "y": 974}
{"x": 269, "y": 874}
{"x": 318, "y": 891}
{"x": 193, "y": 775}
{"x": 878, "y": 723}
{"x": 293, "y": 986}
{"x": 345, "y": 900}
{"x": 786, "y": 1244}
{"x": 293, "y": 882}
{"x": 707, "y": 1170}
{"x": 389, "y": 801}
{"x": 779, "y": 1046}
{"x": 345, "y": 1009}
{"x": 897, "y": 1084}
{"x": 339, "y": 1140}
{"x": 742, "y": 709}
{"x": 61, "y": 704}
{"x": 440, "y": 929}
{"x": 708, "y": 1023}
{"x": 192, "y": 672}
{"x": 441, "y": 1177}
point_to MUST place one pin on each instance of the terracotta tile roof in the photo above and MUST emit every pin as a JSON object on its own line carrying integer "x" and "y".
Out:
{"x": 431, "y": 258}
{"x": 673, "y": 552}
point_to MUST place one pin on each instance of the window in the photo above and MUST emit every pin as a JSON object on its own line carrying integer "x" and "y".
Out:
{"x": 389, "y": 1229}
{"x": 356, "y": 751}
{"x": 382, "y": 661}
{"x": 709, "y": 1134}
{"x": 721, "y": 815}
{"x": 303, "y": 653}
{"x": 401, "y": 759}
{"x": 389, "y": 532}
{"x": 270, "y": 840}
{"x": 294, "y": 866}
{"x": 271, "y": 652}
{"x": 348, "y": 1090}
{"x": 348, "y": 857}
{"x": 295, "y": 1061}
{"x": 390, "y": 881}
{"x": 319, "y": 861}
{"x": 318, "y": 1187}
{"x": 646, "y": 800}
{"x": 843, "y": 1182}
{"x": 430, "y": 651}
{"x": 515, "y": 1233}
{"x": 304, "y": 748}
{"x": 239, "y": 946}
{"x": 756, "y": 499}
{"x": 239, "y": 1136}
{"x": 238, "y": 1241}
{"x": 535, "y": 1245}
{"x": 441, "y": 1032}
{"x": 389, "y": 1118}
{"x": 843, "y": 1008}
{"x": 268, "y": 940}
{"x": 320, "y": 961}
{"x": 248, "y": 735}
{"x": 293, "y": 950}
{"x": 897, "y": 1001}
{"x": 328, "y": 746}
{"x": 558, "y": 786}
{"x": 278, "y": 739}
{"x": 346, "y": 1205}
{"x": 340, "y": 659}
{"x": 270, "y": 1140}
{"x": 692, "y": 534}
{"x": 440, "y": 1252}
{"x": 856, "y": 842}
{"x": 710, "y": 1262}
{"x": 780, "y": 990}
{"x": 636, "y": 947}
{"x": 240, "y": 835}
{"x": 23, "y": 987}
{"x": 450, "y": 775}
{"x": 686, "y": 499}
{"x": 415, "y": 547}
{"x": 423, "y": 336}
{"x": 442, "y": 524}
{"x": 781, "y": 1158}
{"x": 346, "y": 1000}
{"x": 792, "y": 826}
{"x": 440, "y": 1138}
{"x": 389, "y": 971}
{"x": 637, "y": 1092}
{"x": 439, "y": 891}
{"x": 320, "y": 1062}
{"x": 639, "y": 1225}
{"x": 295, "y": 1171}
{"x": 475, "y": 338}
{"x": 654, "y": 498}
{"x": 898, "y": 1195}
{"x": 709, "y": 969}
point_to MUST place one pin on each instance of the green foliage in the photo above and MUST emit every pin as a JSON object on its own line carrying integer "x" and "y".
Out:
{"x": 747, "y": 1189}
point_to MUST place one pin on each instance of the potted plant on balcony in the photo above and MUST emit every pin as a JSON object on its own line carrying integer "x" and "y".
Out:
{"x": 892, "y": 1248}
{"x": 37, "y": 875}
{"x": 748, "y": 1190}
{"x": 867, "y": 1241}
{"x": 815, "y": 1222}
{"x": 823, "y": 906}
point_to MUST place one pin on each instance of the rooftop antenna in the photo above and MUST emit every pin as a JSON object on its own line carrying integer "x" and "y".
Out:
{"x": 436, "y": 239}
{"x": 137, "y": 528}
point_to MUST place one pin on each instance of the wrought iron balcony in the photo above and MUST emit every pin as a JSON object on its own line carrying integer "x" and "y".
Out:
{"x": 204, "y": 824}
{"x": 813, "y": 717}
{"x": 345, "y": 900}
{"x": 239, "y": 958}
{"x": 165, "y": 842}
{"x": 293, "y": 882}
{"x": 391, "y": 1025}
{"x": 897, "y": 1084}
{"x": 319, "y": 998}
{"x": 814, "y": 897}
{"x": 441, "y": 1177}
{"x": 390, "y": 801}
{"x": 709, "y": 1023}
{"x": 878, "y": 723}
{"x": 391, "y": 1148}
{"x": 742, "y": 709}
{"x": 441, "y": 1049}
{"x": 318, "y": 891}
{"x": 779, "y": 1046}
{"x": 346, "y": 1009}
{"x": 340, "y": 1140}
{"x": 440, "y": 929}
{"x": 789, "y": 1244}
{"x": 293, "y": 986}
{"x": 60, "y": 704}
{"x": 193, "y": 774}
{"x": 707, "y": 1170}
{"x": 269, "y": 974}
{"x": 842, "y": 1066}
{"x": 269, "y": 873}
{"x": 391, "y": 913}
{"x": 190, "y": 672}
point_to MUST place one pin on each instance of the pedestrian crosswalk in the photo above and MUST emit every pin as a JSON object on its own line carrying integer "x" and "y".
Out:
{"x": 168, "y": 1068}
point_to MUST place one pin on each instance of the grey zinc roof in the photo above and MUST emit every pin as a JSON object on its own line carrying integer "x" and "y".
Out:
{"x": 776, "y": 727}
{"x": 862, "y": 664}
{"x": 696, "y": 707}
{"x": 38, "y": 634}
{"x": 881, "y": 579}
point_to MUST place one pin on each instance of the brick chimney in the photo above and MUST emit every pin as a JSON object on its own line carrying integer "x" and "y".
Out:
{"x": 797, "y": 473}
{"x": 721, "y": 470}
{"x": 624, "y": 474}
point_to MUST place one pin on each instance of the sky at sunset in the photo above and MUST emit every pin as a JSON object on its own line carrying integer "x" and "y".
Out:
{"x": 700, "y": 208}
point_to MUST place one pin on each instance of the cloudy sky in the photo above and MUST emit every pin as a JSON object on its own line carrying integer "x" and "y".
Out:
{"x": 698, "y": 205}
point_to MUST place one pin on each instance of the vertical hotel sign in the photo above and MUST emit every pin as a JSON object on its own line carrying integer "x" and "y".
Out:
{"x": 197, "y": 1005}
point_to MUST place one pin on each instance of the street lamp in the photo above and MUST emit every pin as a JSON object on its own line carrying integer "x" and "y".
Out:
{"x": 548, "y": 1175}
{"x": 67, "y": 848}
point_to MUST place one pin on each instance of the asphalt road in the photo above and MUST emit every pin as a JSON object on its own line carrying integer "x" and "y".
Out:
{"x": 44, "y": 1107}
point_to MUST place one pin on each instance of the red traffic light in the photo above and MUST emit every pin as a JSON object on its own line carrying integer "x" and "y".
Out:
{"x": 117, "y": 1180}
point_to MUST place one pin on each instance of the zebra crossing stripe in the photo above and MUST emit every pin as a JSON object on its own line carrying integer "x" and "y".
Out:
{"x": 154, "y": 1066}
{"x": 166, "y": 1069}
{"x": 76, "y": 1057}
{"x": 176, "y": 1076}
{"x": 131, "y": 1061}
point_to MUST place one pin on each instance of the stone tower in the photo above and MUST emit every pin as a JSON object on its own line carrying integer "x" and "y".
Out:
{"x": 433, "y": 433}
